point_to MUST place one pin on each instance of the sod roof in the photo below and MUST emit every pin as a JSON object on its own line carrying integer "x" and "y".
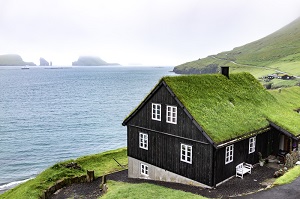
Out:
{"x": 230, "y": 108}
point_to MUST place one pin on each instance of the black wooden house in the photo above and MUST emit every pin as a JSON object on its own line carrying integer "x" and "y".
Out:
{"x": 195, "y": 129}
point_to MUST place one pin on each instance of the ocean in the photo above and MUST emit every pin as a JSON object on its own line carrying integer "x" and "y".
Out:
{"x": 48, "y": 115}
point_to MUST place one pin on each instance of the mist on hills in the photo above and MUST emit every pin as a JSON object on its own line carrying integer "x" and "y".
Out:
{"x": 275, "y": 51}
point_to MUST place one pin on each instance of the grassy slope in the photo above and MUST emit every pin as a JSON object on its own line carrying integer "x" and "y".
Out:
{"x": 278, "y": 51}
{"x": 101, "y": 163}
{"x": 282, "y": 112}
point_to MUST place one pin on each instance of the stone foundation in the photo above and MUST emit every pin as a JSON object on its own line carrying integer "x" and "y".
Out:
{"x": 158, "y": 174}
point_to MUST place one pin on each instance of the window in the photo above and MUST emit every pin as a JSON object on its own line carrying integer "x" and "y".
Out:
{"x": 144, "y": 170}
{"x": 156, "y": 112}
{"x": 172, "y": 114}
{"x": 252, "y": 142}
{"x": 143, "y": 140}
{"x": 229, "y": 154}
{"x": 186, "y": 153}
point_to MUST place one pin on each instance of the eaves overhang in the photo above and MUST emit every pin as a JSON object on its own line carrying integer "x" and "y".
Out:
{"x": 282, "y": 130}
{"x": 243, "y": 137}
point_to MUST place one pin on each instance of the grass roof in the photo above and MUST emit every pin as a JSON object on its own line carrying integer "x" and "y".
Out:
{"x": 230, "y": 108}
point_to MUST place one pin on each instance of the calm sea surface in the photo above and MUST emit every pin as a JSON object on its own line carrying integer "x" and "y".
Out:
{"x": 51, "y": 115}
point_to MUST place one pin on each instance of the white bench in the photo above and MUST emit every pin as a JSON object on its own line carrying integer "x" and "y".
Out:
{"x": 242, "y": 169}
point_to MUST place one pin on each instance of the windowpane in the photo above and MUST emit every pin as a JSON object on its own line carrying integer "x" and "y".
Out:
{"x": 186, "y": 153}
{"x": 143, "y": 142}
{"x": 156, "y": 112}
{"x": 144, "y": 169}
{"x": 171, "y": 114}
{"x": 229, "y": 154}
{"x": 252, "y": 144}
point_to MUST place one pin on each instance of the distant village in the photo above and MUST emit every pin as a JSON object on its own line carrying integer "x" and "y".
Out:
{"x": 277, "y": 75}
{"x": 283, "y": 76}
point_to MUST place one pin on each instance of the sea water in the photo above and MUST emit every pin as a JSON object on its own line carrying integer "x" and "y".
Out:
{"x": 54, "y": 114}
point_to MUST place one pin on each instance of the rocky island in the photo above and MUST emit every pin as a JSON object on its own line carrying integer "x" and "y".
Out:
{"x": 14, "y": 60}
{"x": 44, "y": 62}
{"x": 91, "y": 61}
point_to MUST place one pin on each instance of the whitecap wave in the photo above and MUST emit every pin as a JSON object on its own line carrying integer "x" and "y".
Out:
{"x": 11, "y": 185}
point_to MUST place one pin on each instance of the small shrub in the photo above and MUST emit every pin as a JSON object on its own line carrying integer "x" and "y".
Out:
{"x": 278, "y": 173}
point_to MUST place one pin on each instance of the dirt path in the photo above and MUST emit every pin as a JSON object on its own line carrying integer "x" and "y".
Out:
{"x": 233, "y": 62}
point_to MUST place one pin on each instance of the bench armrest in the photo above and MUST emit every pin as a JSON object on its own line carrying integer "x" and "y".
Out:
{"x": 249, "y": 166}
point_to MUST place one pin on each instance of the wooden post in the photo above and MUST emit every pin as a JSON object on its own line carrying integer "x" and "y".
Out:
{"x": 104, "y": 188}
{"x": 103, "y": 183}
{"x": 90, "y": 176}
{"x": 104, "y": 179}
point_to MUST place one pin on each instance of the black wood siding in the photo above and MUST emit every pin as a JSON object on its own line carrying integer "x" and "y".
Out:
{"x": 266, "y": 143}
{"x": 184, "y": 127}
{"x": 164, "y": 152}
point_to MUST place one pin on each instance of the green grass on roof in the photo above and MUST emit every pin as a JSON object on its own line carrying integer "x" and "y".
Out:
{"x": 229, "y": 108}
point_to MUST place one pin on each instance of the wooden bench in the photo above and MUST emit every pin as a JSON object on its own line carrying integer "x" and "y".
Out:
{"x": 242, "y": 169}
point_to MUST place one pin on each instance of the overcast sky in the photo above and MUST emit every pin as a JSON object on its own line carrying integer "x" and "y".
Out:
{"x": 148, "y": 32}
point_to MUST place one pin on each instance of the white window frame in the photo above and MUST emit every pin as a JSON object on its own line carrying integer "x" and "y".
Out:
{"x": 229, "y": 154}
{"x": 252, "y": 143}
{"x": 186, "y": 153}
{"x": 144, "y": 169}
{"x": 171, "y": 114}
{"x": 143, "y": 141}
{"x": 156, "y": 112}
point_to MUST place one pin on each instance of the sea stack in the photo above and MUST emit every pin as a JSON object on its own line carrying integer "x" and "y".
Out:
{"x": 43, "y": 62}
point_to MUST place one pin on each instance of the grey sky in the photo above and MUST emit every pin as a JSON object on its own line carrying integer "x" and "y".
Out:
{"x": 150, "y": 32}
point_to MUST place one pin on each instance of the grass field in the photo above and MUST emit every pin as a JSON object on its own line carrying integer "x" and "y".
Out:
{"x": 118, "y": 190}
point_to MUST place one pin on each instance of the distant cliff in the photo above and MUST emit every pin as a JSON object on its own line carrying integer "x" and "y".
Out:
{"x": 91, "y": 61}
{"x": 14, "y": 60}
{"x": 43, "y": 62}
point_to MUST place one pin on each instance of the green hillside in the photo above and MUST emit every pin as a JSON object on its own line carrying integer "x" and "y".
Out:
{"x": 13, "y": 60}
{"x": 279, "y": 51}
